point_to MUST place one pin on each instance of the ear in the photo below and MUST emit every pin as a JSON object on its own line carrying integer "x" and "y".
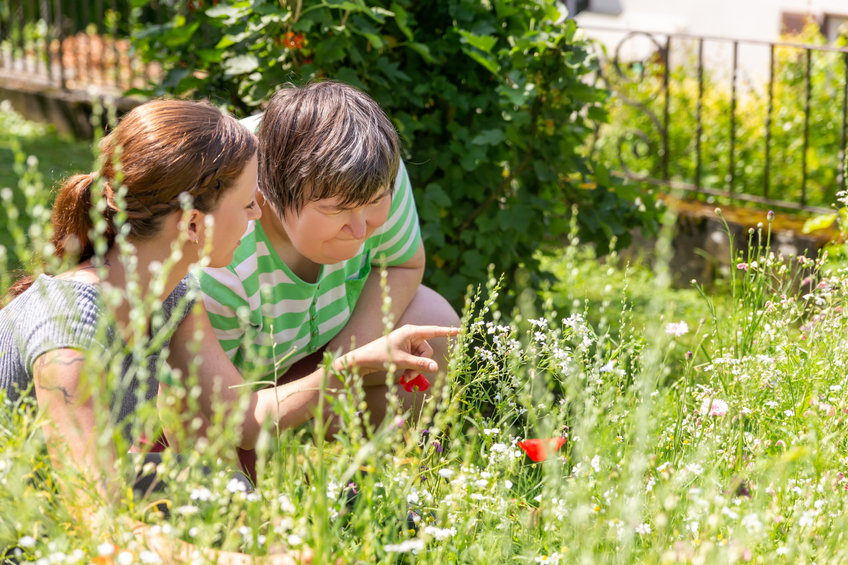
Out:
{"x": 194, "y": 225}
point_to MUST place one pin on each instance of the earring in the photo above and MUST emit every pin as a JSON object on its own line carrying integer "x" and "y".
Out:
{"x": 195, "y": 240}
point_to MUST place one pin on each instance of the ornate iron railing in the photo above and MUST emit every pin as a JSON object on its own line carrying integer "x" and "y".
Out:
{"x": 685, "y": 119}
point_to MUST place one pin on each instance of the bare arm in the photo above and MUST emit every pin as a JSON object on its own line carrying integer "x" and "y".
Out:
{"x": 72, "y": 438}
{"x": 366, "y": 322}
{"x": 293, "y": 403}
{"x": 70, "y": 428}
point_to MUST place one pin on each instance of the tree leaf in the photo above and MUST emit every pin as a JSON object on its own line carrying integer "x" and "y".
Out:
{"x": 484, "y": 43}
{"x": 491, "y": 65}
{"x": 401, "y": 18}
{"x": 489, "y": 137}
{"x": 422, "y": 50}
{"x": 240, "y": 64}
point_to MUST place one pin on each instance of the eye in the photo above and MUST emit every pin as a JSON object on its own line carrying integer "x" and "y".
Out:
{"x": 379, "y": 200}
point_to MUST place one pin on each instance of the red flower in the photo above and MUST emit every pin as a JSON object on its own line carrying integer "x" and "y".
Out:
{"x": 293, "y": 40}
{"x": 420, "y": 382}
{"x": 541, "y": 449}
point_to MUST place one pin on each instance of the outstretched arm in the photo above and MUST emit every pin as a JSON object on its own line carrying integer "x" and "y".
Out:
{"x": 294, "y": 403}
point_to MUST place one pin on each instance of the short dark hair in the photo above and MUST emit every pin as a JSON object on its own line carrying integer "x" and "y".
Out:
{"x": 325, "y": 140}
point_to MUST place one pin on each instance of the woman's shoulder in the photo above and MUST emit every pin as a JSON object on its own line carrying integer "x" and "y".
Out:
{"x": 49, "y": 298}
{"x": 182, "y": 298}
{"x": 52, "y": 313}
{"x": 50, "y": 292}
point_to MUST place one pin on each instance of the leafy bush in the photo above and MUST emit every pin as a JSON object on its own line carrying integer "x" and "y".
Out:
{"x": 490, "y": 99}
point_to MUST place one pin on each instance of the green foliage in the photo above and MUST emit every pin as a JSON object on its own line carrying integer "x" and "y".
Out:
{"x": 33, "y": 158}
{"x": 489, "y": 97}
{"x": 733, "y": 454}
{"x": 633, "y": 138}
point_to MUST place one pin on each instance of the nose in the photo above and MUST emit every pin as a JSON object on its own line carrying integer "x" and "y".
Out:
{"x": 358, "y": 225}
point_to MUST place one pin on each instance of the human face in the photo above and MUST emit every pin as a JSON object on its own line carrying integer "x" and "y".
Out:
{"x": 235, "y": 209}
{"x": 326, "y": 232}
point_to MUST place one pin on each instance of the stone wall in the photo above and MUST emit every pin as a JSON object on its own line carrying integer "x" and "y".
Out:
{"x": 69, "y": 110}
{"x": 701, "y": 246}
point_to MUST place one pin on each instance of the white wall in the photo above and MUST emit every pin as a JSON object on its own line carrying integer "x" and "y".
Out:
{"x": 749, "y": 19}
{"x": 732, "y": 19}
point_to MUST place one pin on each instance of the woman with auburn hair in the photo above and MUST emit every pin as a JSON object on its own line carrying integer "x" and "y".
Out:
{"x": 176, "y": 189}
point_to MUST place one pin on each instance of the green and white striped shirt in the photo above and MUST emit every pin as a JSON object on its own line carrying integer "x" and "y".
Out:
{"x": 263, "y": 314}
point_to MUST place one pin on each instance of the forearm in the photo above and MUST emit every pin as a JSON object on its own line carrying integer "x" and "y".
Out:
{"x": 292, "y": 404}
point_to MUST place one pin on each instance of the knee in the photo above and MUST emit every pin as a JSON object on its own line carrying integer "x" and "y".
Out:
{"x": 428, "y": 307}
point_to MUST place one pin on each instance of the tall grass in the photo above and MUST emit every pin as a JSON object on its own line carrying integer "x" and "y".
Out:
{"x": 686, "y": 440}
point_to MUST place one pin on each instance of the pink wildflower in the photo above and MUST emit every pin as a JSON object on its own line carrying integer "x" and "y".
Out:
{"x": 677, "y": 329}
{"x": 714, "y": 407}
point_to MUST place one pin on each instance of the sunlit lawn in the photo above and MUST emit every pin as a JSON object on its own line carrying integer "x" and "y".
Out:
{"x": 697, "y": 429}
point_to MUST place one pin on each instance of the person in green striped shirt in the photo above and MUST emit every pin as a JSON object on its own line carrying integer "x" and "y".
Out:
{"x": 336, "y": 205}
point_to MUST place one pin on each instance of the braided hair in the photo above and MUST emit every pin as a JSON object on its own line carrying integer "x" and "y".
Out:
{"x": 160, "y": 151}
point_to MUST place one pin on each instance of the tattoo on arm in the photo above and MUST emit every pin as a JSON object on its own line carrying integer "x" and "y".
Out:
{"x": 41, "y": 364}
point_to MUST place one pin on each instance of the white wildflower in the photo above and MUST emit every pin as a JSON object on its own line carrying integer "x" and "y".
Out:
{"x": 440, "y": 533}
{"x": 105, "y": 548}
{"x": 294, "y": 540}
{"x": 413, "y": 545}
{"x": 203, "y": 494}
{"x": 677, "y": 329}
{"x": 148, "y": 556}
{"x": 694, "y": 468}
{"x": 236, "y": 485}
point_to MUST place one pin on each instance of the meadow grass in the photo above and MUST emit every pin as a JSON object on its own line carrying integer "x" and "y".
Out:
{"x": 696, "y": 430}
{"x": 33, "y": 159}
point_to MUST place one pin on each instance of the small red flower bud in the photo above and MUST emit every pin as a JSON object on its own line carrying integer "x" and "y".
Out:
{"x": 420, "y": 382}
{"x": 541, "y": 449}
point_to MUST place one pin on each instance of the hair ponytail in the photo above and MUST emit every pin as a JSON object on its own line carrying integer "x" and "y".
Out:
{"x": 71, "y": 219}
{"x": 72, "y": 225}
{"x": 159, "y": 150}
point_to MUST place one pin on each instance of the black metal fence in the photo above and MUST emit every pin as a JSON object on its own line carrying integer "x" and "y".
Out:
{"x": 74, "y": 43}
{"x": 691, "y": 113}
{"x": 754, "y": 121}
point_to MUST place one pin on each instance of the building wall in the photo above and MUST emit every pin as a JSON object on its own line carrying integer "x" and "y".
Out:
{"x": 749, "y": 19}
{"x": 760, "y": 20}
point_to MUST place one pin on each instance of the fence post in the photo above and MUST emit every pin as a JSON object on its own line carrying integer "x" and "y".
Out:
{"x": 666, "y": 105}
{"x": 769, "y": 111}
{"x": 807, "y": 93}
{"x": 732, "y": 165}
{"x": 699, "y": 131}
{"x": 844, "y": 122}
{"x": 58, "y": 25}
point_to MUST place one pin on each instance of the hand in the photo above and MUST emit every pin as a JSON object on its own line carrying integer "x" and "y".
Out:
{"x": 406, "y": 347}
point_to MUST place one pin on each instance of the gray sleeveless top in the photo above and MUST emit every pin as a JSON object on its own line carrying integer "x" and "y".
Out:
{"x": 61, "y": 313}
